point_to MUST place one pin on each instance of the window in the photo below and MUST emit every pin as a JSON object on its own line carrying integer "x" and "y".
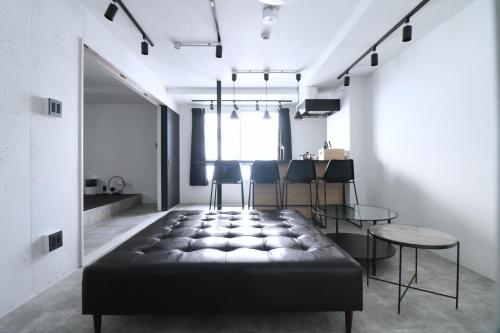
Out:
{"x": 247, "y": 139}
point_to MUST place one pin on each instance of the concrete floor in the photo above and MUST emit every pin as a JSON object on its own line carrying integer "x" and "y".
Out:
{"x": 58, "y": 309}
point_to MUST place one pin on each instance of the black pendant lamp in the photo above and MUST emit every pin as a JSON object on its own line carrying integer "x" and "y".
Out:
{"x": 266, "y": 114}
{"x": 298, "y": 115}
{"x": 234, "y": 114}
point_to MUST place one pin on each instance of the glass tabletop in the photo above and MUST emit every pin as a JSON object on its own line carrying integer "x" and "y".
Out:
{"x": 355, "y": 212}
{"x": 413, "y": 236}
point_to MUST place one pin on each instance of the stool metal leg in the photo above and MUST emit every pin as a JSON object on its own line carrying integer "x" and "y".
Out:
{"x": 242, "y": 196}
{"x": 355, "y": 192}
{"x": 211, "y": 192}
{"x": 250, "y": 193}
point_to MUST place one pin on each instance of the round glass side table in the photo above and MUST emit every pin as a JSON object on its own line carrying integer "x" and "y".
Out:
{"x": 356, "y": 244}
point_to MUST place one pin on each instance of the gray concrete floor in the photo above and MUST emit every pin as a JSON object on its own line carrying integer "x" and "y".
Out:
{"x": 58, "y": 309}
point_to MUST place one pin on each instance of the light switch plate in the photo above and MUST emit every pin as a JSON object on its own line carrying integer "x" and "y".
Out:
{"x": 54, "y": 108}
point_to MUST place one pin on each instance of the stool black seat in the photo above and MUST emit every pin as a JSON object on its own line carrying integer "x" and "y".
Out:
{"x": 341, "y": 172}
{"x": 299, "y": 172}
{"x": 226, "y": 172}
{"x": 264, "y": 172}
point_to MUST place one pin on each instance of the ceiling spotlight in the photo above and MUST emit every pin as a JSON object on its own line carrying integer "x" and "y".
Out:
{"x": 297, "y": 116}
{"x": 211, "y": 105}
{"x": 279, "y": 106}
{"x": 407, "y": 31}
{"x": 111, "y": 12}
{"x": 234, "y": 115}
{"x": 235, "y": 106}
{"x": 257, "y": 105}
{"x": 144, "y": 48}
{"x": 218, "y": 51}
{"x": 177, "y": 45}
{"x": 374, "y": 57}
{"x": 270, "y": 15}
{"x": 347, "y": 80}
{"x": 267, "y": 116}
{"x": 276, "y": 2}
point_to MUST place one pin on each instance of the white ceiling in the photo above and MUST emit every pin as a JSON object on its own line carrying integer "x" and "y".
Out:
{"x": 318, "y": 37}
{"x": 101, "y": 87}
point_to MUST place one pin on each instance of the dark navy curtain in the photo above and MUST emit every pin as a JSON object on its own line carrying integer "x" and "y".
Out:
{"x": 198, "y": 171}
{"x": 284, "y": 135}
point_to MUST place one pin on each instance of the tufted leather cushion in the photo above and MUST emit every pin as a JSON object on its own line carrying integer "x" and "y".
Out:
{"x": 192, "y": 261}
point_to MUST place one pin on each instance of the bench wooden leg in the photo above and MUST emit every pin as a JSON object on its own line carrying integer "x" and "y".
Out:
{"x": 348, "y": 321}
{"x": 97, "y": 323}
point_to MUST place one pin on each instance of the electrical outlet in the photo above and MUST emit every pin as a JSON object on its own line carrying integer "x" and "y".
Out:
{"x": 54, "y": 108}
{"x": 55, "y": 240}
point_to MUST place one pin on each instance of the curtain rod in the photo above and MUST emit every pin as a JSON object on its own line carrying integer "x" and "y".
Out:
{"x": 386, "y": 35}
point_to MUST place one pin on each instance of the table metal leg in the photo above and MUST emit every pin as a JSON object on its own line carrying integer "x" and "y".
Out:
{"x": 336, "y": 226}
{"x": 416, "y": 261}
{"x": 458, "y": 269}
{"x": 374, "y": 256}
{"x": 399, "y": 284}
{"x": 367, "y": 257}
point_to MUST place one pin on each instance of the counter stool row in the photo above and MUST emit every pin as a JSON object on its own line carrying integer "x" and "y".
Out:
{"x": 267, "y": 172}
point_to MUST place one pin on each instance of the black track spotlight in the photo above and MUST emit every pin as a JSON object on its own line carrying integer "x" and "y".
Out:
{"x": 347, "y": 80}
{"x": 374, "y": 57}
{"x": 235, "y": 106}
{"x": 144, "y": 48}
{"x": 218, "y": 51}
{"x": 234, "y": 77}
{"x": 407, "y": 31}
{"x": 111, "y": 12}
{"x": 256, "y": 105}
{"x": 266, "y": 76}
{"x": 212, "y": 105}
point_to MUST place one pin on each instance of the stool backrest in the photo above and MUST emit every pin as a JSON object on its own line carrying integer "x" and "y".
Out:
{"x": 265, "y": 172}
{"x": 301, "y": 171}
{"x": 339, "y": 171}
{"x": 227, "y": 172}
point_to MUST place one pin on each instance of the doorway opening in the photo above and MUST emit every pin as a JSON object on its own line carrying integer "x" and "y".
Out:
{"x": 120, "y": 159}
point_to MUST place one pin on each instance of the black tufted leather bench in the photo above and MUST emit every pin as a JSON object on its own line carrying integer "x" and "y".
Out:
{"x": 193, "y": 262}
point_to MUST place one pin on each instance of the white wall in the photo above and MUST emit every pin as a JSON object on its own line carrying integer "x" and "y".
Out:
{"x": 39, "y": 174}
{"x": 307, "y": 135}
{"x": 120, "y": 140}
{"x": 429, "y": 119}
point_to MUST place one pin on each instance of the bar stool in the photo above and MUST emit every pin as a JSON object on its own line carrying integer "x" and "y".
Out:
{"x": 264, "y": 172}
{"x": 339, "y": 172}
{"x": 299, "y": 172}
{"x": 226, "y": 172}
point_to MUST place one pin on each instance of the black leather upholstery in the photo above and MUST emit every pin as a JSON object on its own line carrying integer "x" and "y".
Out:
{"x": 192, "y": 261}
